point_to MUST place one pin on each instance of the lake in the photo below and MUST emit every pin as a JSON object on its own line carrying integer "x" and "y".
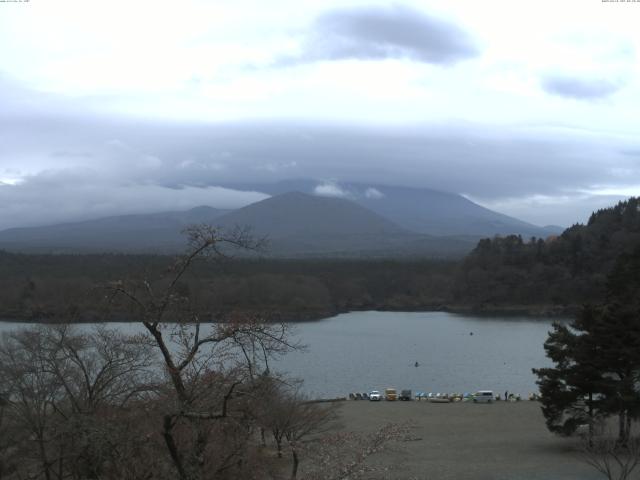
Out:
{"x": 361, "y": 351}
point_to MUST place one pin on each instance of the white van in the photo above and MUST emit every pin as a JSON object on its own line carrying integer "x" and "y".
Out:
{"x": 483, "y": 396}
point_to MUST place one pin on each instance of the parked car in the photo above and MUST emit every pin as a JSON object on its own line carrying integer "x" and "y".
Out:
{"x": 405, "y": 395}
{"x": 375, "y": 396}
{"x": 390, "y": 394}
{"x": 483, "y": 396}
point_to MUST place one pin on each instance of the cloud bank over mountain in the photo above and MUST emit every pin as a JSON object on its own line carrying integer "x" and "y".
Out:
{"x": 95, "y": 167}
{"x": 532, "y": 114}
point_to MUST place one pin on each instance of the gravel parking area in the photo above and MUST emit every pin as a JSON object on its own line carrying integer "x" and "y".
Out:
{"x": 498, "y": 441}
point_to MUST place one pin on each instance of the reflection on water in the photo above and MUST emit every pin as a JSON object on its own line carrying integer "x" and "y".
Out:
{"x": 362, "y": 351}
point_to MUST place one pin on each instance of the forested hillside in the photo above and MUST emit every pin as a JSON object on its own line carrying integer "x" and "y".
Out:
{"x": 566, "y": 270}
{"x": 553, "y": 275}
{"x": 72, "y": 286}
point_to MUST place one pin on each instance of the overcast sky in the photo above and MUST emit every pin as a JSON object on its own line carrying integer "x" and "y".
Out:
{"x": 530, "y": 108}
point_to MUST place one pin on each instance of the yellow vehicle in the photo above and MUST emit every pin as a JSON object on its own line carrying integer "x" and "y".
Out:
{"x": 390, "y": 394}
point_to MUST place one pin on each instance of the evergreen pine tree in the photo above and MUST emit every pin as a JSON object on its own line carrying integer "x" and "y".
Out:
{"x": 597, "y": 359}
{"x": 572, "y": 391}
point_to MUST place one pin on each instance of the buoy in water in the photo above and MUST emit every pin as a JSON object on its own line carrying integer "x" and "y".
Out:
{"x": 417, "y": 364}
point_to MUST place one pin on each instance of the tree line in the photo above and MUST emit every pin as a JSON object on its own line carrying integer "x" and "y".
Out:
{"x": 565, "y": 271}
{"x": 47, "y": 287}
{"x": 182, "y": 399}
{"x": 557, "y": 274}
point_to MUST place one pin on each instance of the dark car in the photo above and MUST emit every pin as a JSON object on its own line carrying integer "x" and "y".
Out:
{"x": 405, "y": 395}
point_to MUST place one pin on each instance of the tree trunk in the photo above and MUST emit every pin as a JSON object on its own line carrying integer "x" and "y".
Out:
{"x": 591, "y": 426}
{"x": 201, "y": 443}
{"x": 296, "y": 462}
{"x": 620, "y": 427}
{"x": 623, "y": 433}
{"x": 43, "y": 457}
{"x": 173, "y": 449}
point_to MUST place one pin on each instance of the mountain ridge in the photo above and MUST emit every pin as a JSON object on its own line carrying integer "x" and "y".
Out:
{"x": 105, "y": 233}
{"x": 297, "y": 225}
{"x": 423, "y": 210}
{"x": 301, "y": 218}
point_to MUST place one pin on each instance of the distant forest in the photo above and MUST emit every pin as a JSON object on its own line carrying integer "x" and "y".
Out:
{"x": 509, "y": 274}
{"x": 564, "y": 271}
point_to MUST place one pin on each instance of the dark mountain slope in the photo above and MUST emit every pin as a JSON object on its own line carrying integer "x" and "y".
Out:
{"x": 441, "y": 213}
{"x": 421, "y": 210}
{"x": 150, "y": 233}
{"x": 298, "y": 224}
{"x": 296, "y": 213}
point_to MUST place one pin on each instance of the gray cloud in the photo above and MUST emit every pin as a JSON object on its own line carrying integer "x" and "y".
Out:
{"x": 377, "y": 33}
{"x": 631, "y": 153}
{"x": 77, "y": 194}
{"x": 65, "y": 154}
{"x": 75, "y": 165}
{"x": 580, "y": 88}
{"x": 142, "y": 167}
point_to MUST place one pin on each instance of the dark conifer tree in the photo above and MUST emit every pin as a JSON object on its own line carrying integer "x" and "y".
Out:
{"x": 618, "y": 335}
{"x": 572, "y": 391}
{"x": 597, "y": 359}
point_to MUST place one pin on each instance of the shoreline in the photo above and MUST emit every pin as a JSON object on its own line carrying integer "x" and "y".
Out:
{"x": 534, "y": 311}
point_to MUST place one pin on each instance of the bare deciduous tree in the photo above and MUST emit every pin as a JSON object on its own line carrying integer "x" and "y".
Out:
{"x": 343, "y": 455}
{"x": 61, "y": 389}
{"x": 290, "y": 416}
{"x": 100, "y": 404}
{"x": 212, "y": 368}
{"x": 5, "y": 433}
{"x": 613, "y": 459}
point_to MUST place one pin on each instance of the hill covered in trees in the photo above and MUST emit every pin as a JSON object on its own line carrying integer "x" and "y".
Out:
{"x": 554, "y": 275}
{"x": 566, "y": 270}
{"x": 53, "y": 287}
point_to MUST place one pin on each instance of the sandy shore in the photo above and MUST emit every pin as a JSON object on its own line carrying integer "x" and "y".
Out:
{"x": 499, "y": 441}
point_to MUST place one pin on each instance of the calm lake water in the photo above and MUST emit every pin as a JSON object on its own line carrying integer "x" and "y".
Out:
{"x": 361, "y": 351}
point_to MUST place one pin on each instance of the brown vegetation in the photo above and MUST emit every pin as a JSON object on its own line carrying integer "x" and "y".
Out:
{"x": 184, "y": 400}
